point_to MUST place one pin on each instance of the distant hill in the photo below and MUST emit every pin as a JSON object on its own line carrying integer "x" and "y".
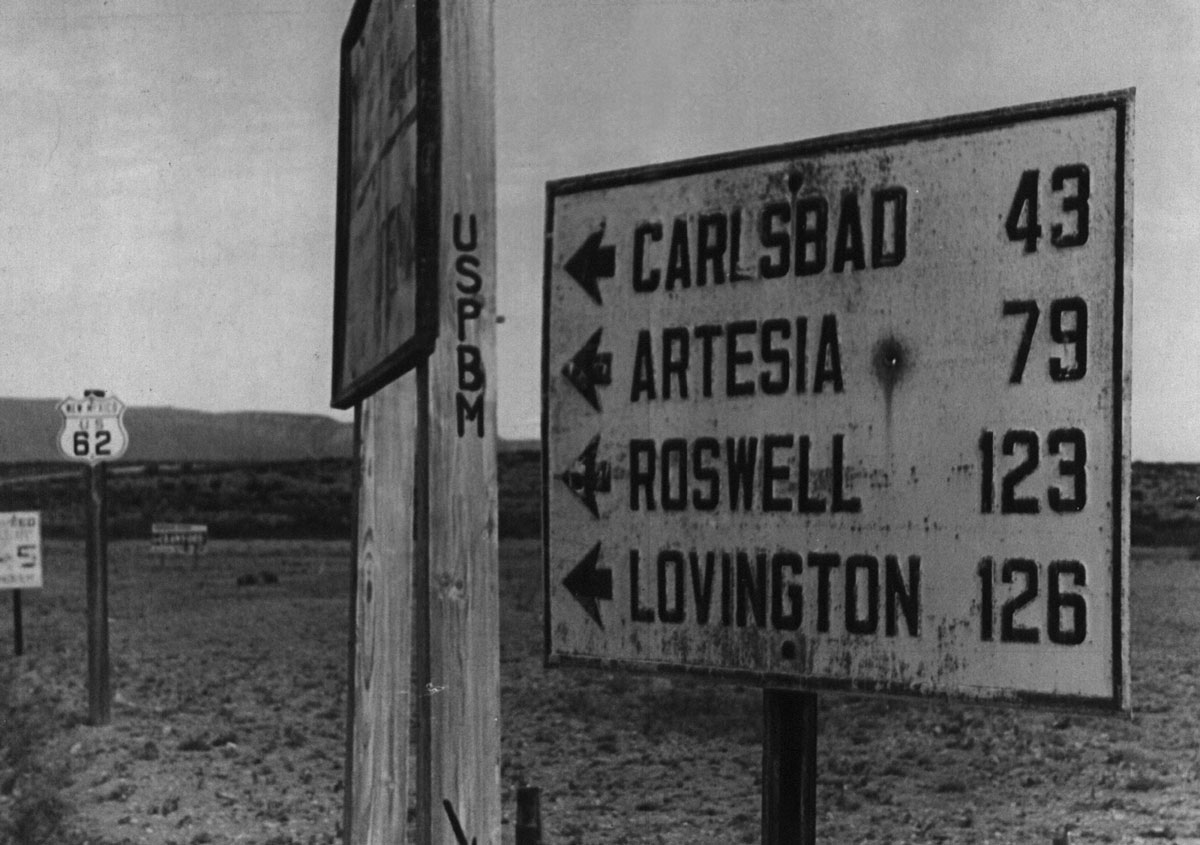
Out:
{"x": 29, "y": 428}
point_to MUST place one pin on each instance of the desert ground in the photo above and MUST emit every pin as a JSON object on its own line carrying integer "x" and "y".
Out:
{"x": 229, "y": 722}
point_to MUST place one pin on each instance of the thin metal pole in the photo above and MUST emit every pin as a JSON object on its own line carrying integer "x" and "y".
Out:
{"x": 789, "y": 767}
{"x": 18, "y": 628}
{"x": 99, "y": 689}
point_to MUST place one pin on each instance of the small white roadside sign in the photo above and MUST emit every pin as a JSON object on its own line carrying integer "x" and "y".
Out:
{"x": 20, "y": 550}
{"x": 93, "y": 428}
{"x": 178, "y": 538}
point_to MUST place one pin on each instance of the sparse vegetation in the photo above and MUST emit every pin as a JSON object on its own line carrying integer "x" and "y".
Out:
{"x": 232, "y": 707}
{"x": 30, "y": 780}
{"x": 289, "y": 500}
{"x": 1163, "y": 500}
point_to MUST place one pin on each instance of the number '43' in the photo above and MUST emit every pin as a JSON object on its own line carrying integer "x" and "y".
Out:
{"x": 1022, "y": 222}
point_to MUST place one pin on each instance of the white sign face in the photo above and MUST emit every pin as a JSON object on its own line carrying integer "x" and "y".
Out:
{"x": 20, "y": 550}
{"x": 93, "y": 429}
{"x": 851, "y": 413}
{"x": 178, "y": 538}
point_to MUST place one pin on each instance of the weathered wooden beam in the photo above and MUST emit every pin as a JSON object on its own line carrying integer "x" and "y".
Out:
{"x": 385, "y": 558}
{"x": 463, "y": 597}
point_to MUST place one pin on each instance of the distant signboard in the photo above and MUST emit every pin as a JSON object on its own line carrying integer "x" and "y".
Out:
{"x": 93, "y": 428}
{"x": 385, "y": 296}
{"x": 177, "y": 538}
{"x": 849, "y": 413}
{"x": 20, "y": 550}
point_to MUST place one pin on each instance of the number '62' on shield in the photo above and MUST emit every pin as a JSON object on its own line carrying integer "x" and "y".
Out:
{"x": 93, "y": 429}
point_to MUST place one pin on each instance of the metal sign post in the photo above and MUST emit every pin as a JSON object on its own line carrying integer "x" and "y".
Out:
{"x": 93, "y": 431}
{"x": 18, "y": 627}
{"x": 99, "y": 681}
{"x": 848, "y": 414}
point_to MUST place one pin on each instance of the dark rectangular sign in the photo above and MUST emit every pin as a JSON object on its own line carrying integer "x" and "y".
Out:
{"x": 385, "y": 276}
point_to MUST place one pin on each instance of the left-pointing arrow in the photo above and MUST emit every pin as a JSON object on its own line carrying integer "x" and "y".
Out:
{"x": 589, "y": 476}
{"x": 588, "y": 368}
{"x": 589, "y": 584}
{"x": 592, "y": 262}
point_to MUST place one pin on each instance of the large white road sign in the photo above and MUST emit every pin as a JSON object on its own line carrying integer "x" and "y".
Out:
{"x": 850, "y": 413}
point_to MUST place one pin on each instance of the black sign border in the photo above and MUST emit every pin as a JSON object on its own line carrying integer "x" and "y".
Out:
{"x": 415, "y": 349}
{"x": 1122, "y": 103}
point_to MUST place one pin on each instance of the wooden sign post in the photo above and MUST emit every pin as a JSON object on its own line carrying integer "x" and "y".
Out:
{"x": 789, "y": 767}
{"x": 414, "y": 353}
{"x": 93, "y": 431}
{"x": 18, "y": 625}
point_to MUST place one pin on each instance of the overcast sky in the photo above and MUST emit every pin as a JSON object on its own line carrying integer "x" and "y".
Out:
{"x": 167, "y": 167}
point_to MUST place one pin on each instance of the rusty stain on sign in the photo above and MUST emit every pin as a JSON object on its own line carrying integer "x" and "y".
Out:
{"x": 849, "y": 413}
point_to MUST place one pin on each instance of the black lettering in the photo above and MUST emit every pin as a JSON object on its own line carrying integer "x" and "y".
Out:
{"x": 464, "y": 244}
{"x": 777, "y": 356}
{"x": 637, "y": 613}
{"x": 468, "y": 265}
{"x": 752, "y": 589}
{"x": 735, "y": 247}
{"x": 829, "y": 357}
{"x": 667, "y": 612}
{"x": 907, "y": 598}
{"x": 735, "y": 358}
{"x": 772, "y": 473}
{"x": 740, "y": 458}
{"x": 848, "y": 246}
{"x": 811, "y": 234}
{"x": 674, "y": 457}
{"x": 641, "y": 476}
{"x": 468, "y": 309}
{"x": 790, "y": 619}
{"x": 679, "y": 261}
{"x": 470, "y": 368}
{"x": 467, "y": 411}
{"x": 712, "y": 240}
{"x": 705, "y": 474}
{"x": 773, "y": 238}
{"x": 856, "y": 624}
{"x": 706, "y": 333}
{"x": 897, "y": 199}
{"x": 841, "y": 504}
{"x": 823, "y": 562}
{"x": 643, "y": 369}
{"x": 801, "y": 354}
{"x": 726, "y": 590}
{"x": 806, "y": 503}
{"x": 674, "y": 360}
{"x": 645, "y": 283}
{"x": 702, "y": 587}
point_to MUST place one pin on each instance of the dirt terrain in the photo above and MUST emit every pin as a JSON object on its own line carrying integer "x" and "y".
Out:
{"x": 229, "y": 722}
